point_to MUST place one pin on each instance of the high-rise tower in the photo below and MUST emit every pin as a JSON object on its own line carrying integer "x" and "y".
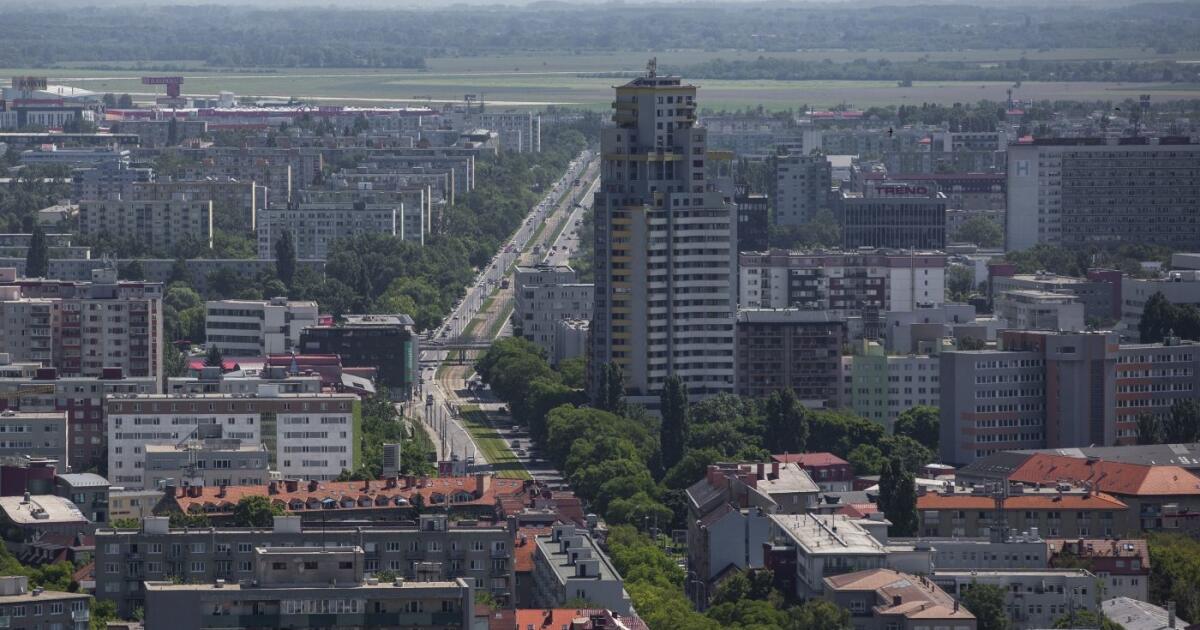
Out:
{"x": 666, "y": 258}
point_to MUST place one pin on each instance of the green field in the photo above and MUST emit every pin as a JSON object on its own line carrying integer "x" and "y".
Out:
{"x": 532, "y": 80}
{"x": 494, "y": 449}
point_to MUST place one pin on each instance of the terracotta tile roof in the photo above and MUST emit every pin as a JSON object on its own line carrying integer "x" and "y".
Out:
{"x": 810, "y": 459}
{"x": 435, "y": 490}
{"x": 919, "y": 598}
{"x": 523, "y": 547}
{"x": 859, "y": 510}
{"x": 1112, "y": 477}
{"x": 1096, "y": 501}
{"x": 557, "y": 618}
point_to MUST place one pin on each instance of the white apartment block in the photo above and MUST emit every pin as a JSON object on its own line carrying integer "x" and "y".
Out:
{"x": 845, "y": 283}
{"x": 545, "y": 296}
{"x": 520, "y": 131}
{"x": 828, "y": 544}
{"x": 308, "y": 436}
{"x": 568, "y": 565}
{"x": 1039, "y": 310}
{"x": 82, "y": 328}
{"x": 1179, "y": 287}
{"x": 255, "y": 328}
{"x": 1034, "y": 598}
{"x": 316, "y": 226}
{"x": 160, "y": 225}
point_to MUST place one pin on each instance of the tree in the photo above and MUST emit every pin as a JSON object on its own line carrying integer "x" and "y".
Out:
{"x": 921, "y": 424}
{"x": 109, "y": 100}
{"x": 37, "y": 259}
{"x": 1158, "y": 319}
{"x": 898, "y": 498}
{"x": 417, "y": 502}
{"x": 101, "y": 611}
{"x": 214, "y": 358}
{"x": 131, "y": 270}
{"x": 786, "y": 423}
{"x": 960, "y": 282}
{"x": 125, "y": 523}
{"x": 981, "y": 231}
{"x": 986, "y": 602}
{"x": 674, "y": 410}
{"x": 179, "y": 272}
{"x": 819, "y": 614}
{"x": 1083, "y": 618}
{"x": 285, "y": 258}
{"x": 256, "y": 511}
{"x": 612, "y": 396}
{"x": 1149, "y": 429}
{"x": 125, "y": 102}
{"x": 174, "y": 363}
{"x": 867, "y": 459}
{"x": 1183, "y": 424}
{"x": 1175, "y": 571}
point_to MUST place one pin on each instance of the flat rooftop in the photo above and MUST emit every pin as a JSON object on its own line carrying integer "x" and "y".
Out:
{"x": 828, "y": 534}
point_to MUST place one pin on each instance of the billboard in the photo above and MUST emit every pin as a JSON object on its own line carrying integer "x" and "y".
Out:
{"x": 29, "y": 84}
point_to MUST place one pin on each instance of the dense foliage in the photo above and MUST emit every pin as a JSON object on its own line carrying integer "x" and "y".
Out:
{"x": 1161, "y": 319}
{"x": 1175, "y": 572}
{"x": 383, "y": 424}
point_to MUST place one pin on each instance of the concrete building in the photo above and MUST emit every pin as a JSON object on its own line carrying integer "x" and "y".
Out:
{"x": 211, "y": 380}
{"x": 315, "y": 227}
{"x": 830, "y": 472}
{"x": 753, "y": 210}
{"x": 802, "y": 187}
{"x": 83, "y": 328}
{"x": 309, "y": 436}
{"x": 430, "y": 550}
{"x": 1086, "y": 191}
{"x": 728, "y": 509}
{"x": 1039, "y": 310}
{"x": 253, "y": 328}
{"x": 811, "y": 547}
{"x": 206, "y": 462}
{"x": 846, "y": 284}
{"x": 883, "y": 599}
{"x": 1100, "y": 297}
{"x": 135, "y": 504}
{"x": 54, "y": 155}
{"x": 1150, "y": 379}
{"x": 789, "y": 348}
{"x": 922, "y": 330}
{"x": 568, "y": 565}
{"x": 520, "y": 131}
{"x": 1066, "y": 512}
{"x": 1134, "y": 614}
{"x": 1038, "y": 390}
{"x": 544, "y": 296}
{"x": 163, "y": 133}
{"x": 39, "y": 608}
{"x": 88, "y": 491}
{"x": 235, "y": 202}
{"x": 1034, "y": 598}
{"x": 42, "y": 390}
{"x": 58, "y": 245}
{"x": 108, "y": 180}
{"x": 388, "y": 343}
{"x": 1015, "y": 550}
{"x": 881, "y": 386}
{"x": 28, "y": 518}
{"x": 304, "y": 587}
{"x": 1180, "y": 286}
{"x": 897, "y": 219}
{"x": 570, "y": 339}
{"x": 1123, "y": 566}
{"x": 160, "y": 226}
{"x": 39, "y": 435}
{"x": 665, "y": 247}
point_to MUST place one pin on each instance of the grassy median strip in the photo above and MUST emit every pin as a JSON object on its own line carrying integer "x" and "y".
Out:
{"x": 493, "y": 447}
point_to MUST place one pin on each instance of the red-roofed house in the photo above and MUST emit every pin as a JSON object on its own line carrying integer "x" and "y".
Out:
{"x": 1073, "y": 513}
{"x": 564, "y": 619}
{"x": 832, "y": 473}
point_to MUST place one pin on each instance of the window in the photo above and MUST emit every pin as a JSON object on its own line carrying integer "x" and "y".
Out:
{"x": 197, "y": 566}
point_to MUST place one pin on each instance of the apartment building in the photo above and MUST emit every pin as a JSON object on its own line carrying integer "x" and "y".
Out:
{"x": 754, "y": 225}
{"x": 1101, "y": 298}
{"x": 883, "y": 599}
{"x": 1066, "y": 511}
{"x": 388, "y": 343}
{"x": 999, "y": 550}
{"x": 129, "y": 562}
{"x": 159, "y": 225}
{"x": 38, "y": 435}
{"x": 209, "y": 461}
{"x": 892, "y": 216}
{"x": 283, "y": 170}
{"x": 728, "y": 508}
{"x": 806, "y": 548}
{"x": 1038, "y": 390}
{"x": 1034, "y": 598}
{"x": 134, "y": 504}
{"x": 58, "y": 245}
{"x": 38, "y": 608}
{"x": 666, "y": 247}
{"x": 42, "y": 390}
{"x": 880, "y": 386}
{"x": 1178, "y": 286}
{"x": 256, "y": 328}
{"x": 802, "y": 187}
{"x": 789, "y": 348}
{"x": 846, "y": 283}
{"x": 1087, "y": 191}
{"x": 211, "y": 380}
{"x": 108, "y": 180}
{"x": 414, "y": 204}
{"x": 1123, "y": 566}
{"x": 459, "y": 164}
{"x": 88, "y": 491}
{"x": 1150, "y": 378}
{"x": 315, "y": 227}
{"x": 568, "y": 565}
{"x": 520, "y": 131}
{"x": 234, "y": 201}
{"x": 544, "y": 296}
{"x": 304, "y": 587}
{"x": 162, "y": 133}
{"x": 309, "y": 436}
{"x": 1039, "y": 310}
{"x": 83, "y": 328}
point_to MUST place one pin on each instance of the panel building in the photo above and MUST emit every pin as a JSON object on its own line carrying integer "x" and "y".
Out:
{"x": 253, "y": 328}
{"x": 802, "y": 187}
{"x": 665, "y": 243}
{"x": 1097, "y": 191}
{"x": 315, "y": 227}
{"x": 789, "y": 348}
{"x": 895, "y": 216}
{"x": 159, "y": 225}
{"x": 546, "y": 295}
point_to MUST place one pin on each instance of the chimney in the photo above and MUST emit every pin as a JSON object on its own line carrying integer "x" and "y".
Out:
{"x": 312, "y": 485}
{"x": 391, "y": 482}
{"x": 897, "y": 600}
{"x": 221, "y": 491}
{"x": 272, "y": 488}
{"x": 774, "y": 470}
{"x": 483, "y": 482}
{"x": 761, "y": 468}
{"x": 292, "y": 485}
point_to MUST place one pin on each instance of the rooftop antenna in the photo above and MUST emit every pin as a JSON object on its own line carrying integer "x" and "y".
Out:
{"x": 652, "y": 67}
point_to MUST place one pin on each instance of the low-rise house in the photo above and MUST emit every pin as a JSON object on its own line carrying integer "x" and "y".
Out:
{"x": 1122, "y": 565}
{"x": 1056, "y": 511}
{"x": 24, "y": 607}
{"x": 568, "y": 565}
{"x": 807, "y": 548}
{"x": 830, "y": 472}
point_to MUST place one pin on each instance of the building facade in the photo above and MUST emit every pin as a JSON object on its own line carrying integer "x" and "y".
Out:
{"x": 544, "y": 296}
{"x": 568, "y": 565}
{"x": 898, "y": 220}
{"x": 802, "y": 187}
{"x": 789, "y": 349}
{"x": 315, "y": 227}
{"x": 160, "y": 226}
{"x": 388, "y": 343}
{"x": 665, "y": 243}
{"x": 252, "y": 328}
